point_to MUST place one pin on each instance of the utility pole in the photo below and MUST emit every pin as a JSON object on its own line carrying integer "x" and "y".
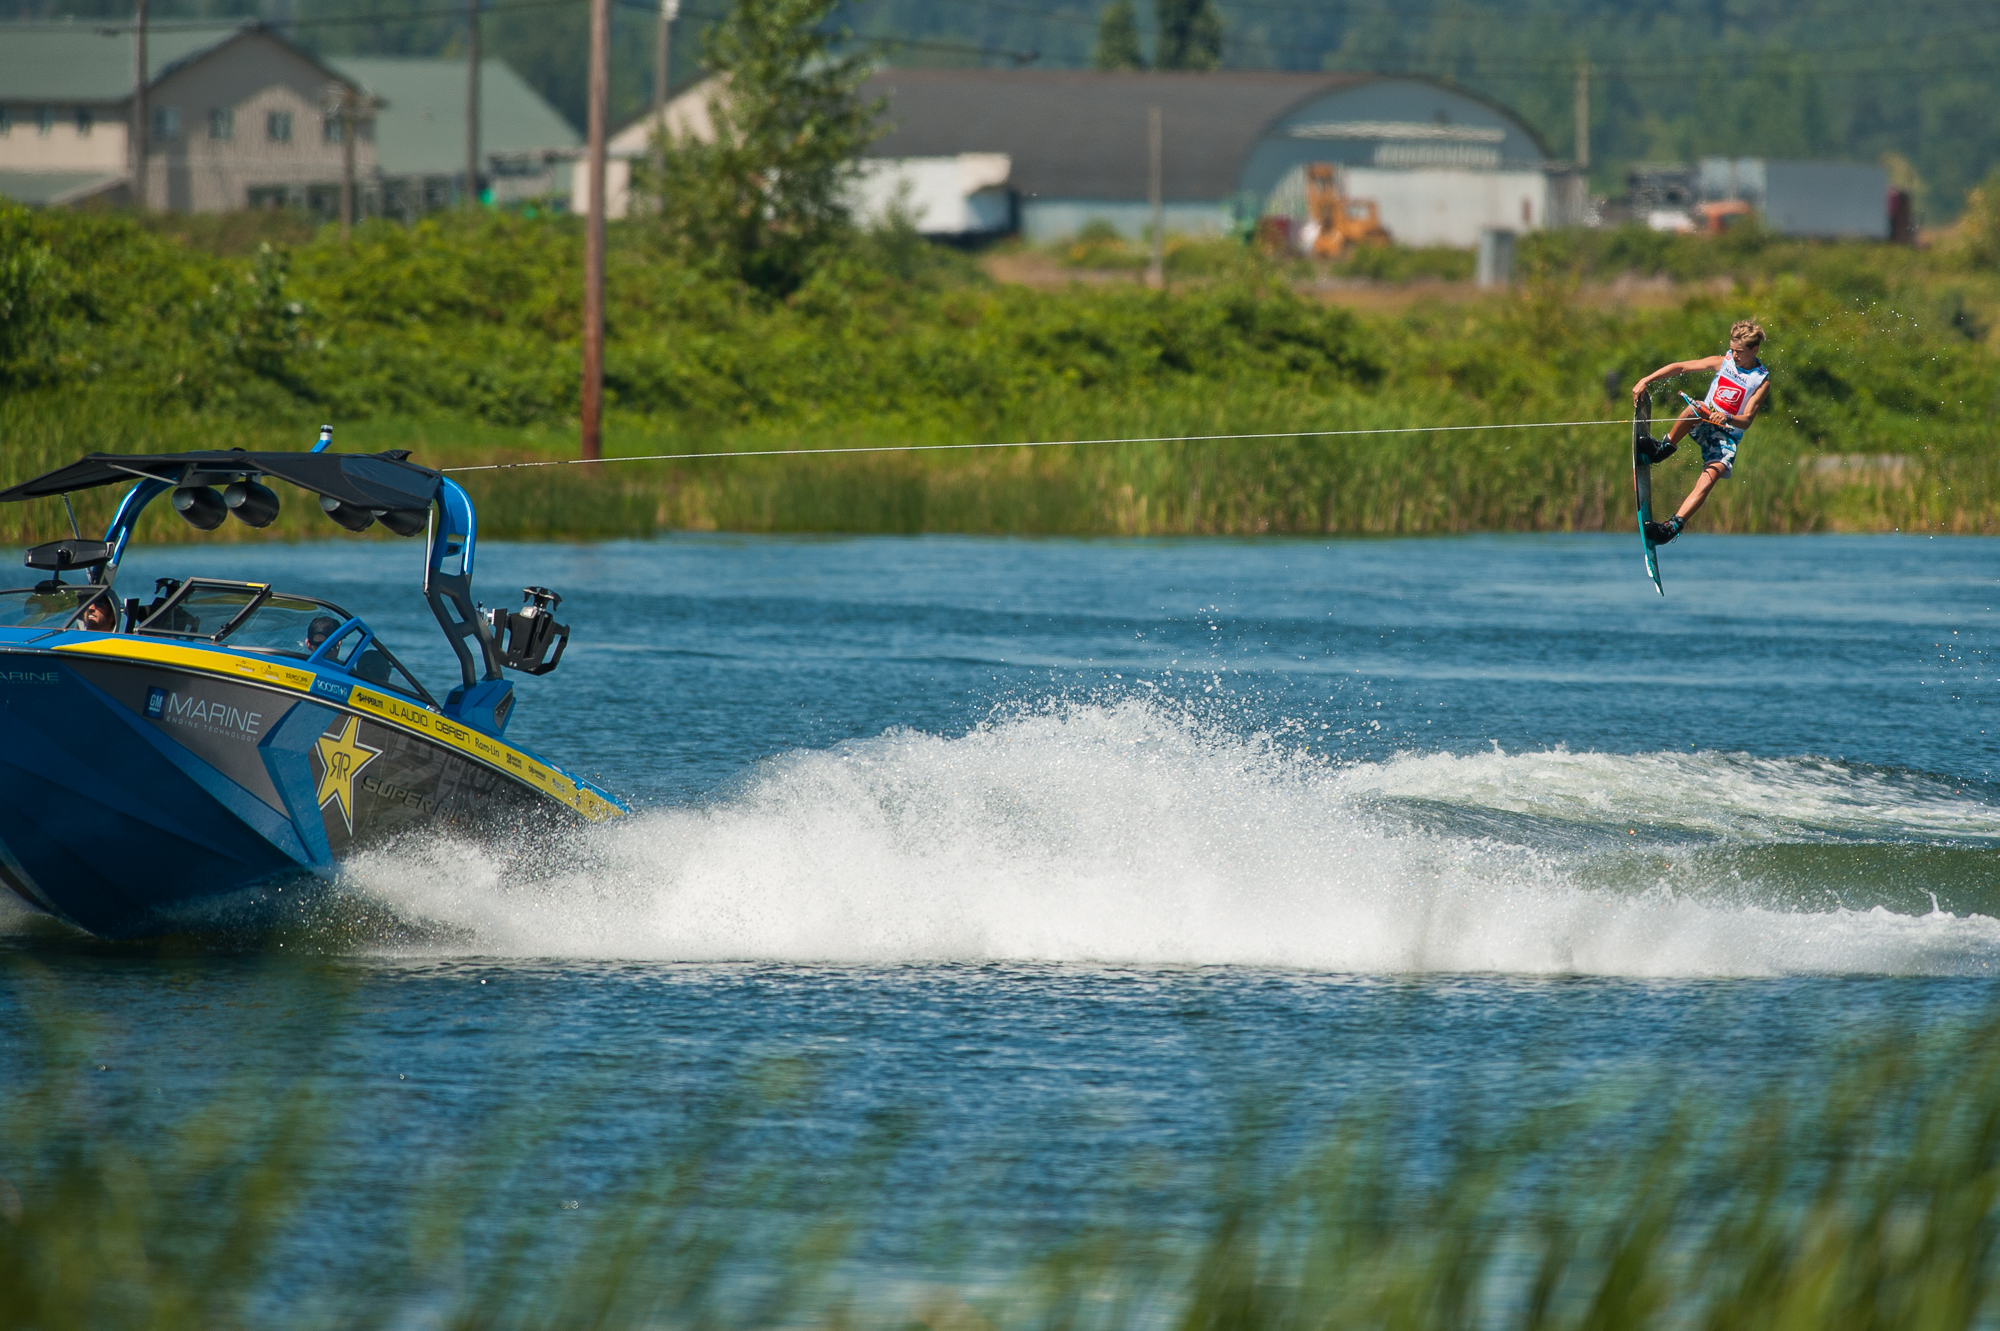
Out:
{"x": 348, "y": 106}
{"x": 139, "y": 126}
{"x": 669, "y": 10}
{"x": 593, "y": 237}
{"x": 346, "y": 160}
{"x": 1156, "y": 271}
{"x": 1583, "y": 118}
{"x": 662, "y": 71}
{"x": 472, "y": 104}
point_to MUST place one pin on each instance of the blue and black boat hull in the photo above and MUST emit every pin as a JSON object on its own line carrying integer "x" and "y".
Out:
{"x": 141, "y": 797}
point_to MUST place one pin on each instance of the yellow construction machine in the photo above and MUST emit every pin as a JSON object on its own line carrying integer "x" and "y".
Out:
{"x": 1341, "y": 221}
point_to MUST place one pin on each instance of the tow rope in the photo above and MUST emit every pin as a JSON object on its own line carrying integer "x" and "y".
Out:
{"x": 1624, "y": 422}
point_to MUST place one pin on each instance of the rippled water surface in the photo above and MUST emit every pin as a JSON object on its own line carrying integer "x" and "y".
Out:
{"x": 1069, "y": 842}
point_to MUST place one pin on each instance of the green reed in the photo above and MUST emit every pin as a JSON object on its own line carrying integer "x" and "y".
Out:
{"x": 1862, "y": 1192}
{"x": 1570, "y": 479}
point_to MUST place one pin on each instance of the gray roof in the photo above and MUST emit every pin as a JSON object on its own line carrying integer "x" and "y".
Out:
{"x": 92, "y": 62}
{"x": 1081, "y": 134}
{"x": 41, "y": 188}
{"x": 421, "y": 130}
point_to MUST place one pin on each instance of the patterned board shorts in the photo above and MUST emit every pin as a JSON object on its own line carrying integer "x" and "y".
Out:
{"x": 1716, "y": 446}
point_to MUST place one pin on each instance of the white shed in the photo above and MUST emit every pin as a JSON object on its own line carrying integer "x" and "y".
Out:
{"x": 960, "y": 194}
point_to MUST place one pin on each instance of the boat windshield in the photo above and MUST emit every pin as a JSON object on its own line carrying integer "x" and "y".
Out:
{"x": 288, "y": 625}
{"x": 367, "y": 660}
{"x": 250, "y": 617}
{"x": 248, "y": 614}
{"x": 29, "y": 608}
{"x": 204, "y": 610}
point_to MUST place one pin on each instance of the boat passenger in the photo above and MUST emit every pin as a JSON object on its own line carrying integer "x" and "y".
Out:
{"x": 100, "y": 616}
{"x": 319, "y": 631}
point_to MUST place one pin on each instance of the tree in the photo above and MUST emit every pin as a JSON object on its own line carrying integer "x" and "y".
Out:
{"x": 1118, "y": 38}
{"x": 32, "y": 292}
{"x": 769, "y": 190}
{"x": 1190, "y": 34}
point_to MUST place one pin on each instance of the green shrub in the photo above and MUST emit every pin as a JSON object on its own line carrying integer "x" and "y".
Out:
{"x": 32, "y": 292}
{"x": 1405, "y": 263}
{"x": 462, "y": 330}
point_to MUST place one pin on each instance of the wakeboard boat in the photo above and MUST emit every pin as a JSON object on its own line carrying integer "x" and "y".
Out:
{"x": 187, "y": 761}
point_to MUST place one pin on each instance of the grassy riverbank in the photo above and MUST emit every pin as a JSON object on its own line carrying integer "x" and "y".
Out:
{"x": 457, "y": 339}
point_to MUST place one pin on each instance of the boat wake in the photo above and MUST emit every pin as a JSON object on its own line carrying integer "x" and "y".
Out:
{"x": 1126, "y": 834}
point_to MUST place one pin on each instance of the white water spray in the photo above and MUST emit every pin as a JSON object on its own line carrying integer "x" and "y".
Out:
{"x": 1124, "y": 834}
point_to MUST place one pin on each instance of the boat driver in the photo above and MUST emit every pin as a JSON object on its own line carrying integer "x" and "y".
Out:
{"x": 319, "y": 631}
{"x": 1742, "y": 384}
{"x": 100, "y": 616}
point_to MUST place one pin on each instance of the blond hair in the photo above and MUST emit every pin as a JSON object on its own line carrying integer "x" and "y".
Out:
{"x": 1743, "y": 333}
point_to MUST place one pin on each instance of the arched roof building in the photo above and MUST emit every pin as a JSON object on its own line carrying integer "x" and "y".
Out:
{"x": 1443, "y": 164}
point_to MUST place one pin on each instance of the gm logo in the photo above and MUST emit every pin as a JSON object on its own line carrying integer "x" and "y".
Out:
{"x": 156, "y": 703}
{"x": 330, "y": 688}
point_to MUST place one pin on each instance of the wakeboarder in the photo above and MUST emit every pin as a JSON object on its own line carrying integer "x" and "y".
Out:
{"x": 1718, "y": 421}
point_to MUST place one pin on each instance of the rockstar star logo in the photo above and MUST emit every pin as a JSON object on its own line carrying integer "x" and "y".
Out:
{"x": 341, "y": 758}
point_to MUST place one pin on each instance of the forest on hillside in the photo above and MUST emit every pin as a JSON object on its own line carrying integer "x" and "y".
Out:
{"x": 1907, "y": 84}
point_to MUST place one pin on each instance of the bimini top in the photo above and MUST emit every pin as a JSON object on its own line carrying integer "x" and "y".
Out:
{"x": 356, "y": 491}
{"x": 378, "y": 481}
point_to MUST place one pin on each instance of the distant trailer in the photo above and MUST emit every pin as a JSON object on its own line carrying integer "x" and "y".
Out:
{"x": 1834, "y": 200}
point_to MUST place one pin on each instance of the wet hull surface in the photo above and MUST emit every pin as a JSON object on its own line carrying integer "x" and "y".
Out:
{"x": 139, "y": 799}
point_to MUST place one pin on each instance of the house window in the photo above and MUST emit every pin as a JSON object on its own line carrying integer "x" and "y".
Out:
{"x": 45, "y": 119}
{"x": 84, "y": 120}
{"x": 329, "y": 129}
{"x": 278, "y": 127}
{"x": 221, "y": 122}
{"x": 166, "y": 122}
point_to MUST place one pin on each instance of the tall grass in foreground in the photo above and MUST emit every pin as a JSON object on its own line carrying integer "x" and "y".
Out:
{"x": 1861, "y": 1195}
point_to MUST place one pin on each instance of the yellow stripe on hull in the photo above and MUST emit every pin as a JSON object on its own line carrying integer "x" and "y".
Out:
{"x": 494, "y": 753}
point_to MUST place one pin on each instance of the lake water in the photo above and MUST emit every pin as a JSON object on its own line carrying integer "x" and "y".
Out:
{"x": 1067, "y": 847}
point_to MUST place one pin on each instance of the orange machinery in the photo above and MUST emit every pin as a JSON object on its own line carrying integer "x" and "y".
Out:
{"x": 1716, "y": 218}
{"x": 1341, "y": 221}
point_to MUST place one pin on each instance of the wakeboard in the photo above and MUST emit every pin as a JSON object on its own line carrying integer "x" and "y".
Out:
{"x": 1642, "y": 484}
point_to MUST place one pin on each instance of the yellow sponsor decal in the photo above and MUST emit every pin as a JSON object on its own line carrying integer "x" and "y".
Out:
{"x": 467, "y": 740}
{"x": 262, "y": 670}
{"x": 256, "y": 668}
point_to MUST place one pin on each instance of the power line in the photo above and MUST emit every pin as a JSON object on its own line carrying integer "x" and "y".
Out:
{"x": 223, "y": 24}
{"x": 1496, "y": 14}
{"x": 1642, "y": 67}
{"x": 1515, "y": 69}
{"x": 1647, "y": 68}
{"x": 456, "y": 12}
{"x": 925, "y": 43}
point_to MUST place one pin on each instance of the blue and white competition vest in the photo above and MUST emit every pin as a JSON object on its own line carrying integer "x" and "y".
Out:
{"x": 1733, "y": 388}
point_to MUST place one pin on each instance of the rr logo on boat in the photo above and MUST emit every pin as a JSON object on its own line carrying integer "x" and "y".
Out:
{"x": 341, "y": 756}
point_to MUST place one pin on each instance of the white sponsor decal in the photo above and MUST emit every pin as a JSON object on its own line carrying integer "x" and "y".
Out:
{"x": 185, "y": 709}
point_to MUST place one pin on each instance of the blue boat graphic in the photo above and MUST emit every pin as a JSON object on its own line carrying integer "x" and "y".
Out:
{"x": 175, "y": 764}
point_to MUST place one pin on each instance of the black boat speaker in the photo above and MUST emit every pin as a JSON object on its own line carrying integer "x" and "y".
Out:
{"x": 201, "y": 506}
{"x": 347, "y": 515}
{"x": 525, "y": 636}
{"x": 405, "y": 521}
{"x": 251, "y": 503}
